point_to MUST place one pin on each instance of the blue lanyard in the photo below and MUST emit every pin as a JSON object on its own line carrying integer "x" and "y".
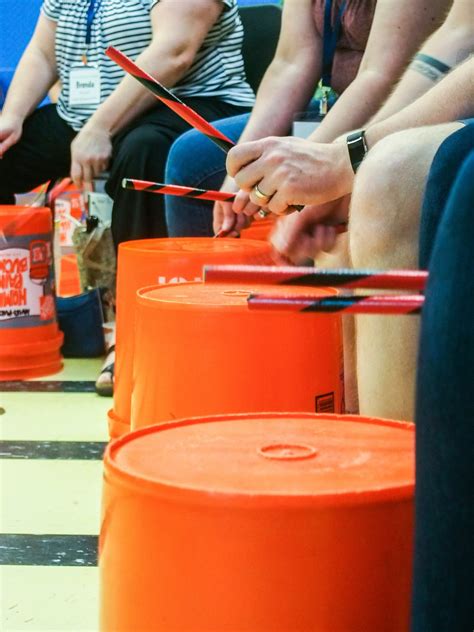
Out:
{"x": 91, "y": 13}
{"x": 330, "y": 39}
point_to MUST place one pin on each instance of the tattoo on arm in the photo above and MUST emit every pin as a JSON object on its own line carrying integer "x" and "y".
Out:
{"x": 429, "y": 67}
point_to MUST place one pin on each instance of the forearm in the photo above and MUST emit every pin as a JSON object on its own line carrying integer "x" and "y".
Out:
{"x": 450, "y": 46}
{"x": 130, "y": 99}
{"x": 286, "y": 89}
{"x": 33, "y": 78}
{"x": 449, "y": 100}
{"x": 354, "y": 107}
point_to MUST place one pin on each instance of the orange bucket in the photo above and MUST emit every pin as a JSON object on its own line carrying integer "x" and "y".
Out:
{"x": 212, "y": 355}
{"x": 161, "y": 261}
{"x": 259, "y": 523}
{"x": 30, "y": 340}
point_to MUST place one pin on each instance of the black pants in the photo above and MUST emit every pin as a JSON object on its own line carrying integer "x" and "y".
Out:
{"x": 139, "y": 151}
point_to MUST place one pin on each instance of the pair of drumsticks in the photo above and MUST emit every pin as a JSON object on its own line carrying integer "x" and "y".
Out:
{"x": 414, "y": 281}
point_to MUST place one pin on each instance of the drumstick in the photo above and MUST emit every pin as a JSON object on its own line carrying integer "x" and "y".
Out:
{"x": 389, "y": 305}
{"x": 413, "y": 280}
{"x": 174, "y": 189}
{"x": 170, "y": 99}
{"x": 173, "y": 102}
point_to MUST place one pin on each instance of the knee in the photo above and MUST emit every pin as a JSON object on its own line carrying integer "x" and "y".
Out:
{"x": 193, "y": 160}
{"x": 381, "y": 213}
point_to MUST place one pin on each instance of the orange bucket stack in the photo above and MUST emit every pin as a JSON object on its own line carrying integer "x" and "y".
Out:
{"x": 160, "y": 261}
{"x": 259, "y": 523}
{"x": 199, "y": 350}
{"x": 30, "y": 340}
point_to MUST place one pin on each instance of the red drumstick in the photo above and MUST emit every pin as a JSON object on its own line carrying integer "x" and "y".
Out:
{"x": 174, "y": 189}
{"x": 169, "y": 99}
{"x": 413, "y": 280}
{"x": 389, "y": 305}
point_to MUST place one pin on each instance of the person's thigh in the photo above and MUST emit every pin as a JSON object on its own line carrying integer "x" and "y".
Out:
{"x": 197, "y": 162}
{"x": 444, "y": 544}
{"x": 140, "y": 151}
{"x": 384, "y": 233}
{"x": 446, "y": 164}
{"x": 43, "y": 153}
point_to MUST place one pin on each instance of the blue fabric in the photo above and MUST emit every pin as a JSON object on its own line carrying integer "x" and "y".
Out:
{"x": 196, "y": 162}
{"x": 444, "y": 170}
{"x": 80, "y": 319}
{"x": 91, "y": 13}
{"x": 444, "y": 539}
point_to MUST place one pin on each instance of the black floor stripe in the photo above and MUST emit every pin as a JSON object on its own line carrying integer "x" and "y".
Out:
{"x": 66, "y": 450}
{"x": 48, "y": 386}
{"x": 48, "y": 550}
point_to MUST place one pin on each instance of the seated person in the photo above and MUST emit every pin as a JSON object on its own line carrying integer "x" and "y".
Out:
{"x": 384, "y": 216}
{"x": 192, "y": 45}
{"x": 307, "y": 51}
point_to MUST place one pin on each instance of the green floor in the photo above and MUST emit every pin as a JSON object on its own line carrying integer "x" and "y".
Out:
{"x": 49, "y": 500}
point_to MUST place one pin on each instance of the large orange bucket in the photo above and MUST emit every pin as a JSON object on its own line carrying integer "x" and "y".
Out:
{"x": 259, "y": 523}
{"x": 161, "y": 261}
{"x": 212, "y": 355}
{"x": 30, "y": 340}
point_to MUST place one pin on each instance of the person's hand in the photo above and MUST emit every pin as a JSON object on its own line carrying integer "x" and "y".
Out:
{"x": 291, "y": 171}
{"x": 90, "y": 154}
{"x": 302, "y": 236}
{"x": 226, "y": 217}
{"x": 11, "y": 129}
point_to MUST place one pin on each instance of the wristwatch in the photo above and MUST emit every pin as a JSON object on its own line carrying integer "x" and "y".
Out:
{"x": 357, "y": 146}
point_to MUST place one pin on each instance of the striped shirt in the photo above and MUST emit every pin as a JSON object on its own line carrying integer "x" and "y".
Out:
{"x": 217, "y": 70}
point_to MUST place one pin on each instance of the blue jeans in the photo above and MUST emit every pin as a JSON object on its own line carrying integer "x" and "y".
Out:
{"x": 444, "y": 537}
{"x": 196, "y": 162}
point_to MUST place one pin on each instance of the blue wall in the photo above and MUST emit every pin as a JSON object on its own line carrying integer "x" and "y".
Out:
{"x": 17, "y": 22}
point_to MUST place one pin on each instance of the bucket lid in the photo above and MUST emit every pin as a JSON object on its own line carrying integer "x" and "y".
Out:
{"x": 297, "y": 458}
{"x": 195, "y": 245}
{"x": 228, "y": 295}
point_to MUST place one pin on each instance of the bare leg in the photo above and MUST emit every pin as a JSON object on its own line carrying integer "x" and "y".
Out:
{"x": 384, "y": 230}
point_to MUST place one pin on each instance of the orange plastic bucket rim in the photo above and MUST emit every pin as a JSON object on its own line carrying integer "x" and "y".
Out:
{"x": 202, "y": 295}
{"x": 129, "y": 478}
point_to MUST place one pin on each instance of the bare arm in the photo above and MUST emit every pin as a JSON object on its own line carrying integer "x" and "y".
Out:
{"x": 452, "y": 43}
{"x": 292, "y": 76}
{"x": 179, "y": 29}
{"x": 34, "y": 76}
{"x": 397, "y": 32}
{"x": 449, "y": 100}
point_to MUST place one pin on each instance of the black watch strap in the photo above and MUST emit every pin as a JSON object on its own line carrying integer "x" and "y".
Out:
{"x": 357, "y": 146}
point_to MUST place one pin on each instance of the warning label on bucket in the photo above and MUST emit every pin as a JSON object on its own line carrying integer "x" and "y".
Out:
{"x": 325, "y": 403}
{"x": 26, "y": 286}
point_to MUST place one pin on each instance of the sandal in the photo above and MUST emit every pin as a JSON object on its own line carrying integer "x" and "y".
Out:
{"x": 103, "y": 386}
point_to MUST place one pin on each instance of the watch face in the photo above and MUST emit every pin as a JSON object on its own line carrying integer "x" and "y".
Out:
{"x": 357, "y": 148}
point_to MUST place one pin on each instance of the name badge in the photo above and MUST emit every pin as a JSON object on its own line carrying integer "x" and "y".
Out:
{"x": 84, "y": 85}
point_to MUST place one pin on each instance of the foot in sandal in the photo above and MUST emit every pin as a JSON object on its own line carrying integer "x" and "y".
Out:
{"x": 104, "y": 385}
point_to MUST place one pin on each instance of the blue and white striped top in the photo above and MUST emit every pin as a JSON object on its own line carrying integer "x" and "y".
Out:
{"x": 217, "y": 70}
